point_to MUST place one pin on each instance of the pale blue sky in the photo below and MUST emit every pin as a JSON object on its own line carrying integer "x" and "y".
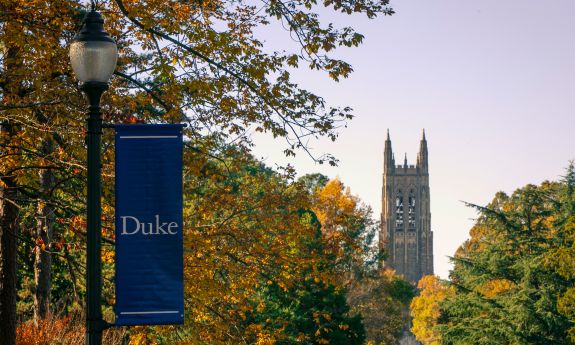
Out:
{"x": 492, "y": 82}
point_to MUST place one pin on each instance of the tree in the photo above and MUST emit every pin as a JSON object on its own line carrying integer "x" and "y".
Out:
{"x": 561, "y": 258}
{"x": 509, "y": 278}
{"x": 348, "y": 232}
{"x": 382, "y": 298}
{"x": 311, "y": 312}
{"x": 198, "y": 63}
{"x": 313, "y": 182}
{"x": 425, "y": 309}
{"x": 326, "y": 298}
{"x": 317, "y": 310}
{"x": 8, "y": 233}
{"x": 248, "y": 229}
{"x": 33, "y": 110}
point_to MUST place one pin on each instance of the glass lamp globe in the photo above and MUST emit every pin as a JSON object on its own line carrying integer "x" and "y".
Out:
{"x": 93, "y": 53}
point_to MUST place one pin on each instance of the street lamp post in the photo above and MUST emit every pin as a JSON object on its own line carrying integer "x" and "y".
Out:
{"x": 93, "y": 55}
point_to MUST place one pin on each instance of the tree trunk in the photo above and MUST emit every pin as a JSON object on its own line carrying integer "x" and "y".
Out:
{"x": 44, "y": 229}
{"x": 8, "y": 247}
{"x": 9, "y": 210}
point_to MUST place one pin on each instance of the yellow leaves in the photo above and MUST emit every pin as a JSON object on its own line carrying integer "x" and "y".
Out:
{"x": 242, "y": 315}
{"x": 263, "y": 336}
{"x": 566, "y": 306}
{"x": 562, "y": 259}
{"x": 201, "y": 317}
{"x": 425, "y": 308}
{"x": 283, "y": 285}
{"x": 140, "y": 337}
{"x": 333, "y": 203}
{"x": 292, "y": 60}
{"x": 236, "y": 235}
{"x": 228, "y": 104}
{"x": 265, "y": 339}
{"x": 344, "y": 222}
{"x": 61, "y": 152}
{"x": 242, "y": 237}
{"x": 252, "y": 238}
{"x": 108, "y": 256}
{"x": 495, "y": 287}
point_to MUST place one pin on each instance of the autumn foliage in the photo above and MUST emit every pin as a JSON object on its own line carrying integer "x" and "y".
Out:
{"x": 67, "y": 330}
{"x": 425, "y": 308}
{"x": 256, "y": 239}
{"x": 513, "y": 280}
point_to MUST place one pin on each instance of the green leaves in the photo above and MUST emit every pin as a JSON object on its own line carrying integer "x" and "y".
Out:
{"x": 312, "y": 312}
{"x": 514, "y": 278}
{"x": 201, "y": 63}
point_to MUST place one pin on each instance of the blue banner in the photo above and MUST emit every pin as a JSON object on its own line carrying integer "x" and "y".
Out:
{"x": 149, "y": 241}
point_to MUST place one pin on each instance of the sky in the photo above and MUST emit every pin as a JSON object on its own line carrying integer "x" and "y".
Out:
{"x": 491, "y": 81}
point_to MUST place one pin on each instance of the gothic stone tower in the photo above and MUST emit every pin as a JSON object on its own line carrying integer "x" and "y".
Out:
{"x": 405, "y": 217}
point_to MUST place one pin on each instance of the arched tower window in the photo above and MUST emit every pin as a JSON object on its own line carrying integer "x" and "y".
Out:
{"x": 399, "y": 211}
{"x": 411, "y": 210}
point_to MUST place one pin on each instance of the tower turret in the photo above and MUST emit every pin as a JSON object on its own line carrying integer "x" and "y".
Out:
{"x": 422, "y": 163}
{"x": 388, "y": 159}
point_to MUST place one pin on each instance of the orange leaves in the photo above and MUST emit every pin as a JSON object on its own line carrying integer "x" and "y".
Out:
{"x": 320, "y": 317}
{"x": 77, "y": 224}
{"x": 44, "y": 333}
{"x": 244, "y": 234}
{"x": 343, "y": 327}
{"x": 183, "y": 61}
{"x": 334, "y": 201}
{"x": 70, "y": 330}
{"x": 140, "y": 337}
{"x": 108, "y": 256}
{"x": 262, "y": 335}
{"x": 345, "y": 223}
{"x": 40, "y": 243}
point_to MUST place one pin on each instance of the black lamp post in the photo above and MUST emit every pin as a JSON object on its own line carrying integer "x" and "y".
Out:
{"x": 93, "y": 55}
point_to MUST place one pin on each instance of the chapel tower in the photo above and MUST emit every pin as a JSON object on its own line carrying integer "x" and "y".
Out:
{"x": 406, "y": 234}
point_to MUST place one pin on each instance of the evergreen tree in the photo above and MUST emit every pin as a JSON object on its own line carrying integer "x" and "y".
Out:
{"x": 511, "y": 278}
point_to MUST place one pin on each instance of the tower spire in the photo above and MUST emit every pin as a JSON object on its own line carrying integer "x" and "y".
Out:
{"x": 388, "y": 161}
{"x": 422, "y": 155}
